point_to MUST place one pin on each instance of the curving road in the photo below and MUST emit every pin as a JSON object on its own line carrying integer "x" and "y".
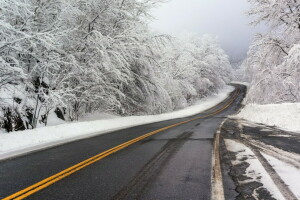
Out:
{"x": 164, "y": 160}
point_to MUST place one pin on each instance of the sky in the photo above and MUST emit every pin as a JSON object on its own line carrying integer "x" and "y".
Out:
{"x": 226, "y": 19}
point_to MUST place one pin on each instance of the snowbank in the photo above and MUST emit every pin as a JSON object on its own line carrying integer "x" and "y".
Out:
{"x": 16, "y": 143}
{"x": 285, "y": 116}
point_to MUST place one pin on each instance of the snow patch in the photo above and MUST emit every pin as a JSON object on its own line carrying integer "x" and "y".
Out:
{"x": 288, "y": 173}
{"x": 285, "y": 116}
{"x": 240, "y": 83}
{"x": 52, "y": 121}
{"x": 255, "y": 171}
{"x": 20, "y": 142}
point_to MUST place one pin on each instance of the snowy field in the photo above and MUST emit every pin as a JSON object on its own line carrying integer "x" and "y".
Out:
{"x": 16, "y": 143}
{"x": 285, "y": 116}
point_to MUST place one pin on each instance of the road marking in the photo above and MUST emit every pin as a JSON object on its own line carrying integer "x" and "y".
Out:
{"x": 217, "y": 181}
{"x": 52, "y": 179}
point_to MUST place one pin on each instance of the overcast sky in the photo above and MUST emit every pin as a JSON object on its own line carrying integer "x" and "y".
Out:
{"x": 224, "y": 18}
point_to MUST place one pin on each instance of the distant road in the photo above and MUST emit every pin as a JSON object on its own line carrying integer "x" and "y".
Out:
{"x": 164, "y": 160}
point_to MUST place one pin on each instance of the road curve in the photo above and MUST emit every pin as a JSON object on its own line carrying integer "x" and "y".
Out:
{"x": 164, "y": 160}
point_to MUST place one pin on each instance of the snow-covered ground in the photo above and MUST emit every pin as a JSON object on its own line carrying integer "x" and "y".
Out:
{"x": 20, "y": 142}
{"x": 285, "y": 115}
{"x": 97, "y": 116}
{"x": 255, "y": 171}
{"x": 289, "y": 174}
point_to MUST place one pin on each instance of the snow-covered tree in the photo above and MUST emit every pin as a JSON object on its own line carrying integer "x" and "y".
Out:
{"x": 273, "y": 58}
{"x": 74, "y": 57}
{"x": 195, "y": 67}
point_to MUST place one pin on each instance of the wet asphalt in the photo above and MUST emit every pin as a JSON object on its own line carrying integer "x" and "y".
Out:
{"x": 173, "y": 164}
{"x": 285, "y": 140}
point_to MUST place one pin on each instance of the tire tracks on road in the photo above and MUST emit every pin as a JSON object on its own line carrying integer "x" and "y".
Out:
{"x": 150, "y": 171}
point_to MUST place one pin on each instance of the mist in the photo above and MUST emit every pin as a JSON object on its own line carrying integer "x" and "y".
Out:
{"x": 225, "y": 19}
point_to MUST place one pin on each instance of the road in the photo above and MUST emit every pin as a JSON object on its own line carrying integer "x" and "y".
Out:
{"x": 174, "y": 162}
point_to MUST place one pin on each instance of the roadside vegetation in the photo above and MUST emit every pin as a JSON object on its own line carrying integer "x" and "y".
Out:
{"x": 273, "y": 62}
{"x": 74, "y": 57}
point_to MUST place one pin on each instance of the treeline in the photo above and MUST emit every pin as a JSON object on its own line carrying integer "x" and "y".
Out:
{"x": 74, "y": 57}
{"x": 273, "y": 63}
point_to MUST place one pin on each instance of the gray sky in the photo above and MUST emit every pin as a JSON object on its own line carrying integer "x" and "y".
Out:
{"x": 224, "y": 18}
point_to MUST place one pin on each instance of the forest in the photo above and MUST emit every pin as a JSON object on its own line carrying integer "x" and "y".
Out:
{"x": 273, "y": 63}
{"x": 74, "y": 57}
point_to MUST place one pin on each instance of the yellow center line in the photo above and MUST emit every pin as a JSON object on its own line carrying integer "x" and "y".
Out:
{"x": 56, "y": 177}
{"x": 227, "y": 99}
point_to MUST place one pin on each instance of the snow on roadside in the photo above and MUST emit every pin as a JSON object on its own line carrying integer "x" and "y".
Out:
{"x": 289, "y": 174}
{"x": 255, "y": 171}
{"x": 285, "y": 116}
{"x": 16, "y": 143}
{"x": 240, "y": 83}
{"x": 52, "y": 120}
{"x": 97, "y": 116}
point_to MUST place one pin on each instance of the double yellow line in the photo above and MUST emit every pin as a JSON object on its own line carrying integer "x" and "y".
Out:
{"x": 52, "y": 179}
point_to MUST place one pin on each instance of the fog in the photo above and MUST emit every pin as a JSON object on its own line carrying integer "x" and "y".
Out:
{"x": 226, "y": 19}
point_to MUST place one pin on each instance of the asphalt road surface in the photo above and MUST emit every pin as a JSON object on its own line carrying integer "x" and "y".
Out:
{"x": 172, "y": 163}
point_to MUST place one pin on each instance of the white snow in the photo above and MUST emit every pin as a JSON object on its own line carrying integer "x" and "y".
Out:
{"x": 288, "y": 173}
{"x": 98, "y": 116}
{"x": 241, "y": 83}
{"x": 255, "y": 171}
{"x": 52, "y": 121}
{"x": 16, "y": 143}
{"x": 285, "y": 116}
